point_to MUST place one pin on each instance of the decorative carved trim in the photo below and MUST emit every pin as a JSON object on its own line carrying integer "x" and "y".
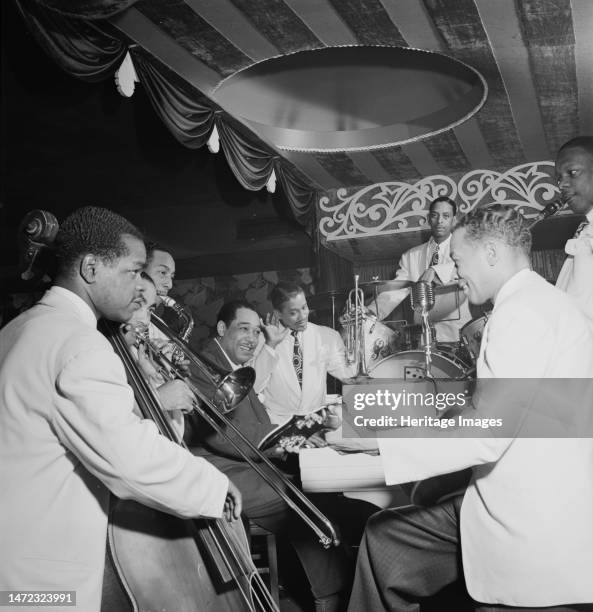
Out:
{"x": 396, "y": 207}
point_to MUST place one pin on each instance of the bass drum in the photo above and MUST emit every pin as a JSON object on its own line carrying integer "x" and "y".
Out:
{"x": 409, "y": 365}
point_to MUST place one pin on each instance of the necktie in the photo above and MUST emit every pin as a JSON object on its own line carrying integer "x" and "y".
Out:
{"x": 435, "y": 257}
{"x": 297, "y": 357}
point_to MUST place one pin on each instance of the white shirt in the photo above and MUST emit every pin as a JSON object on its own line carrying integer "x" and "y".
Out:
{"x": 523, "y": 543}
{"x": 68, "y": 436}
{"x": 276, "y": 379}
{"x": 576, "y": 275}
{"x": 412, "y": 264}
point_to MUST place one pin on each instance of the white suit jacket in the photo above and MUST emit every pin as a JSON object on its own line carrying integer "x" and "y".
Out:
{"x": 526, "y": 533}
{"x": 576, "y": 275}
{"x": 68, "y": 436}
{"x": 412, "y": 264}
{"x": 276, "y": 380}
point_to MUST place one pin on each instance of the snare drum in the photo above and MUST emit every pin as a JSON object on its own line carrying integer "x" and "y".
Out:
{"x": 410, "y": 365}
{"x": 471, "y": 336}
{"x": 380, "y": 341}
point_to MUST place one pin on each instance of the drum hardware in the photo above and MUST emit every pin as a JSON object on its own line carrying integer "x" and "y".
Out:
{"x": 318, "y": 302}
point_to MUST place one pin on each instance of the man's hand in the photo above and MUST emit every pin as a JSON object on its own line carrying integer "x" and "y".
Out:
{"x": 176, "y": 395}
{"x": 233, "y": 504}
{"x": 331, "y": 419}
{"x": 274, "y": 331}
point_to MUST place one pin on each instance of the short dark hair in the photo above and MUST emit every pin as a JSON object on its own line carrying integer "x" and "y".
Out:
{"x": 581, "y": 142}
{"x": 92, "y": 230}
{"x": 151, "y": 247}
{"x": 284, "y": 291}
{"x": 446, "y": 199}
{"x": 228, "y": 313}
{"x": 500, "y": 221}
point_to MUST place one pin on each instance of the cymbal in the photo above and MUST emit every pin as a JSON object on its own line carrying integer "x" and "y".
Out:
{"x": 325, "y": 299}
{"x": 449, "y": 288}
{"x": 388, "y": 285}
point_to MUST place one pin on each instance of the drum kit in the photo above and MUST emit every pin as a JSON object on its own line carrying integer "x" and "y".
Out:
{"x": 397, "y": 349}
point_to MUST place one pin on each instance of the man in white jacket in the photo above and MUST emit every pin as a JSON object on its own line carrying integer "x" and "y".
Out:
{"x": 430, "y": 262}
{"x": 68, "y": 433}
{"x": 292, "y": 367}
{"x": 522, "y": 537}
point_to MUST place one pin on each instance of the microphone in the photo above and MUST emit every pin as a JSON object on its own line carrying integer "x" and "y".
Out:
{"x": 422, "y": 297}
{"x": 422, "y": 300}
{"x": 550, "y": 209}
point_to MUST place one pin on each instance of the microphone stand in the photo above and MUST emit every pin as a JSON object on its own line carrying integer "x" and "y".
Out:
{"x": 427, "y": 333}
{"x": 422, "y": 298}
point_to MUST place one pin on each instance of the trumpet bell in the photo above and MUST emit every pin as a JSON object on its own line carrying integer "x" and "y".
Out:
{"x": 232, "y": 388}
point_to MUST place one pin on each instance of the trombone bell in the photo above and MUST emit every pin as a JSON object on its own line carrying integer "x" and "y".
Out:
{"x": 231, "y": 387}
{"x": 227, "y": 388}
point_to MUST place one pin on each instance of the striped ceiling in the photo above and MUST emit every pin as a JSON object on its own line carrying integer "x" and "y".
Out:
{"x": 534, "y": 54}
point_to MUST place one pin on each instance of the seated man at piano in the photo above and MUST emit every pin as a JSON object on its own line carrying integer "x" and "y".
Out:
{"x": 430, "y": 262}
{"x": 516, "y": 543}
{"x": 329, "y": 571}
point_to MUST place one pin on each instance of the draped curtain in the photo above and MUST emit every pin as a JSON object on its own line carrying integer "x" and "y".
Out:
{"x": 188, "y": 118}
{"x": 71, "y": 32}
{"x": 81, "y": 48}
{"x": 87, "y": 9}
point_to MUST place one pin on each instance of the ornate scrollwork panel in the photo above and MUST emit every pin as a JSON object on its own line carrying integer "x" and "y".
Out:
{"x": 396, "y": 207}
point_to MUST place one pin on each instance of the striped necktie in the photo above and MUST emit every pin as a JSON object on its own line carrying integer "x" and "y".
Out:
{"x": 297, "y": 357}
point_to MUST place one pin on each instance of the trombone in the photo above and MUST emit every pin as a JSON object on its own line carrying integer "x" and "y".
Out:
{"x": 207, "y": 409}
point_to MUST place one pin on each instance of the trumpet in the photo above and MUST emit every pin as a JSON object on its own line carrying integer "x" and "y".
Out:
{"x": 355, "y": 349}
{"x": 205, "y": 407}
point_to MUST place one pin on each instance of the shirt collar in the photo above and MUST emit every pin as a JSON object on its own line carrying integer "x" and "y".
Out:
{"x": 432, "y": 244}
{"x": 589, "y": 216}
{"x": 515, "y": 282}
{"x": 82, "y": 308}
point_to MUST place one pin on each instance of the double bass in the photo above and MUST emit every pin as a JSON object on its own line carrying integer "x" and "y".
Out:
{"x": 162, "y": 563}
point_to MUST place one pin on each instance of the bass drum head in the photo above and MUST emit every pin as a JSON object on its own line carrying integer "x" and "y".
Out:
{"x": 410, "y": 365}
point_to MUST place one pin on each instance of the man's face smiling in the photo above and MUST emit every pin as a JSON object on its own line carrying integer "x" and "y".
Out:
{"x": 440, "y": 220}
{"x": 294, "y": 313}
{"x": 472, "y": 266}
{"x": 161, "y": 268}
{"x": 574, "y": 174}
{"x": 239, "y": 339}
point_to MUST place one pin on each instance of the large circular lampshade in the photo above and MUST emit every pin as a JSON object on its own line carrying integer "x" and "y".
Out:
{"x": 352, "y": 98}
